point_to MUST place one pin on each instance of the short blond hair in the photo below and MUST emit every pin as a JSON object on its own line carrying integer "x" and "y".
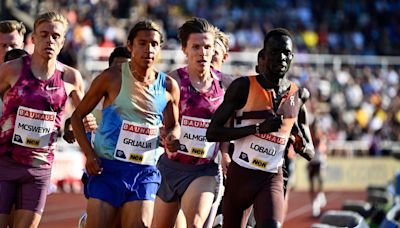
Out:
{"x": 51, "y": 16}
{"x": 222, "y": 39}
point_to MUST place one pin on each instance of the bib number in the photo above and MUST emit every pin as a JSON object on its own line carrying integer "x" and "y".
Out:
{"x": 193, "y": 138}
{"x": 137, "y": 143}
{"x": 33, "y": 128}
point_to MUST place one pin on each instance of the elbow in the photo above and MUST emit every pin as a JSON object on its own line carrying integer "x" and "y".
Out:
{"x": 210, "y": 135}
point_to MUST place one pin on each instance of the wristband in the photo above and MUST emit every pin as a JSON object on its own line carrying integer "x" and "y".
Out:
{"x": 257, "y": 128}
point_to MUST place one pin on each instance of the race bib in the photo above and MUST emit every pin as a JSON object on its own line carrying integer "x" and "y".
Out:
{"x": 261, "y": 151}
{"x": 137, "y": 143}
{"x": 193, "y": 140}
{"x": 33, "y": 128}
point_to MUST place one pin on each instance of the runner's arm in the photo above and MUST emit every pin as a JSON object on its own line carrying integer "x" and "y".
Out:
{"x": 171, "y": 115}
{"x": 96, "y": 92}
{"x": 234, "y": 99}
{"x": 75, "y": 90}
{"x": 9, "y": 74}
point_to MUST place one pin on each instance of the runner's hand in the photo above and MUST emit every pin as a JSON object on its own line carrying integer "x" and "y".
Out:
{"x": 225, "y": 162}
{"x": 163, "y": 134}
{"x": 90, "y": 123}
{"x": 271, "y": 124}
{"x": 68, "y": 134}
{"x": 171, "y": 142}
{"x": 93, "y": 165}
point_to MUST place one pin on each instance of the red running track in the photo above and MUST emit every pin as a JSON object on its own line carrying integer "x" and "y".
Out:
{"x": 63, "y": 210}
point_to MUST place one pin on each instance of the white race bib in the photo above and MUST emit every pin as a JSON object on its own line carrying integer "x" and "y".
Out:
{"x": 261, "y": 151}
{"x": 193, "y": 140}
{"x": 33, "y": 128}
{"x": 137, "y": 143}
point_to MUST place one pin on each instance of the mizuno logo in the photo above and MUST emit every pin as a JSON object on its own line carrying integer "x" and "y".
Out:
{"x": 48, "y": 88}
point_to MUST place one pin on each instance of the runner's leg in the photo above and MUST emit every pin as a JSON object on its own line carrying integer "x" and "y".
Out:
{"x": 197, "y": 200}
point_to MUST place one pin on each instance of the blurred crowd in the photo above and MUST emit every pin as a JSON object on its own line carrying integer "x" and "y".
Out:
{"x": 334, "y": 27}
{"x": 353, "y": 103}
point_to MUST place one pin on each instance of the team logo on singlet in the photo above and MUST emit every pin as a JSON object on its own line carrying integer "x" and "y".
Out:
{"x": 136, "y": 157}
{"x": 259, "y": 163}
{"x": 291, "y": 100}
{"x": 198, "y": 151}
{"x": 48, "y": 88}
{"x": 244, "y": 157}
{"x": 183, "y": 148}
{"x": 18, "y": 138}
{"x": 120, "y": 154}
{"x": 212, "y": 99}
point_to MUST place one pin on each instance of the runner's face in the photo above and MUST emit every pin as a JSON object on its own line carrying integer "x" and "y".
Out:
{"x": 278, "y": 56}
{"x": 145, "y": 47}
{"x": 199, "y": 51}
{"x": 218, "y": 57}
{"x": 49, "y": 39}
{"x": 261, "y": 64}
{"x": 10, "y": 41}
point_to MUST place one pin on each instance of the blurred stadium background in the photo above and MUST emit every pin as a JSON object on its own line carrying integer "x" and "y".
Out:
{"x": 347, "y": 55}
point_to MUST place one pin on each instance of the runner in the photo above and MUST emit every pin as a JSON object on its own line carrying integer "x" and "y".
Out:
{"x": 264, "y": 108}
{"x": 14, "y": 54}
{"x": 219, "y": 57}
{"x": 118, "y": 56}
{"x": 191, "y": 178}
{"x": 34, "y": 89}
{"x": 121, "y": 165}
{"x": 221, "y": 49}
{"x": 11, "y": 36}
{"x": 316, "y": 169}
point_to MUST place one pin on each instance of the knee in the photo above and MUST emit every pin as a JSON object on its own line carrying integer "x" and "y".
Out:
{"x": 268, "y": 223}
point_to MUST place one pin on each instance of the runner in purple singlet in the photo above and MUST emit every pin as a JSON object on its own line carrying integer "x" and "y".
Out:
{"x": 190, "y": 177}
{"x": 34, "y": 90}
